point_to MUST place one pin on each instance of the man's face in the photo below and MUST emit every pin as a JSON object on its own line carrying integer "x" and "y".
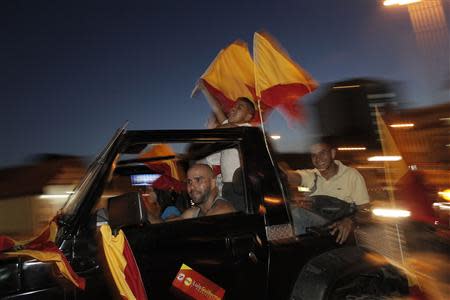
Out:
{"x": 322, "y": 156}
{"x": 200, "y": 183}
{"x": 240, "y": 113}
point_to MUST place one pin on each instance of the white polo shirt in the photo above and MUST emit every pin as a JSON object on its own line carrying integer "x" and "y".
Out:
{"x": 347, "y": 185}
{"x": 228, "y": 159}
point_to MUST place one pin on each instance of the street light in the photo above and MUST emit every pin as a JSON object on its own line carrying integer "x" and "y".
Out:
{"x": 428, "y": 20}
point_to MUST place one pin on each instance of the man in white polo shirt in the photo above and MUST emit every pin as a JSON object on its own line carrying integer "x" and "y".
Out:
{"x": 332, "y": 178}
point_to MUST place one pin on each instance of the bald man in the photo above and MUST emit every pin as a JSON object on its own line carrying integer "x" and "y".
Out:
{"x": 202, "y": 188}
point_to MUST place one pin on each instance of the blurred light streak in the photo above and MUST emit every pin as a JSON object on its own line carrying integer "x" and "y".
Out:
{"x": 56, "y": 196}
{"x": 391, "y": 213}
{"x": 399, "y": 2}
{"x": 380, "y": 96}
{"x": 275, "y": 137}
{"x": 404, "y": 125}
{"x": 351, "y": 148}
{"x": 369, "y": 167}
{"x": 346, "y": 86}
{"x": 445, "y": 194}
{"x": 442, "y": 205}
{"x": 303, "y": 189}
{"x": 385, "y": 158}
{"x": 272, "y": 200}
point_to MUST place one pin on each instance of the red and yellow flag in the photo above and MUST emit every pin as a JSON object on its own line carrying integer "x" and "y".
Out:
{"x": 395, "y": 169}
{"x": 279, "y": 81}
{"x": 122, "y": 265}
{"x": 42, "y": 248}
{"x": 273, "y": 79}
{"x": 230, "y": 75}
{"x": 407, "y": 188}
{"x": 171, "y": 175}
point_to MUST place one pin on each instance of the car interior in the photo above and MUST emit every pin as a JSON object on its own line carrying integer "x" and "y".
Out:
{"x": 161, "y": 168}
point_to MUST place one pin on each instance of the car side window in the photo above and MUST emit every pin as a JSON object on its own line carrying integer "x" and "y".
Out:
{"x": 158, "y": 172}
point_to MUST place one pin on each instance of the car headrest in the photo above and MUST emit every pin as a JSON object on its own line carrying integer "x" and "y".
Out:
{"x": 125, "y": 210}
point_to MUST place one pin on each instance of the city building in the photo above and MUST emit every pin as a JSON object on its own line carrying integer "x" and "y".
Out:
{"x": 30, "y": 195}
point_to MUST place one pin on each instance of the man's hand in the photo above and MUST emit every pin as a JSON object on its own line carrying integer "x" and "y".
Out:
{"x": 342, "y": 228}
{"x": 153, "y": 208}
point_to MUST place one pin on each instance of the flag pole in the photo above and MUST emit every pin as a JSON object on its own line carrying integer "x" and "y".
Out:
{"x": 389, "y": 180}
{"x": 258, "y": 101}
{"x": 387, "y": 167}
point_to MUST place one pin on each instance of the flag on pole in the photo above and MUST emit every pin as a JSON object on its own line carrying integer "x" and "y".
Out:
{"x": 279, "y": 81}
{"x": 122, "y": 265}
{"x": 395, "y": 169}
{"x": 230, "y": 76}
{"x": 42, "y": 248}
{"x": 407, "y": 188}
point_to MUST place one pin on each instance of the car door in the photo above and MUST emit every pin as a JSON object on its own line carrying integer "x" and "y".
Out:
{"x": 230, "y": 250}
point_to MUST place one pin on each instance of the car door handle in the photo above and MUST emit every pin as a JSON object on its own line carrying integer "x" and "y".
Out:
{"x": 253, "y": 258}
{"x": 242, "y": 246}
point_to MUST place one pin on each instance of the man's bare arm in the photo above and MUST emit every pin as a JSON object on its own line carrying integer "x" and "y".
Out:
{"x": 293, "y": 177}
{"x": 217, "y": 110}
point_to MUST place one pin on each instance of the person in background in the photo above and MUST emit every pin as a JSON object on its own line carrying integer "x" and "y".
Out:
{"x": 161, "y": 203}
{"x": 241, "y": 114}
{"x": 332, "y": 178}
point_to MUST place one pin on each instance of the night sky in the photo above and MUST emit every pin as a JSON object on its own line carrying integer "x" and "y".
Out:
{"x": 72, "y": 73}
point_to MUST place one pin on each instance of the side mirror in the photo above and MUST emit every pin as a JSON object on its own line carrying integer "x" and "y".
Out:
{"x": 126, "y": 210}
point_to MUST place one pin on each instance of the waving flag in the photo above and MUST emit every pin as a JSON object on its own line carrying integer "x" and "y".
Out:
{"x": 122, "y": 265}
{"x": 273, "y": 79}
{"x": 409, "y": 189}
{"x": 395, "y": 169}
{"x": 230, "y": 76}
{"x": 279, "y": 81}
{"x": 171, "y": 176}
{"x": 42, "y": 248}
